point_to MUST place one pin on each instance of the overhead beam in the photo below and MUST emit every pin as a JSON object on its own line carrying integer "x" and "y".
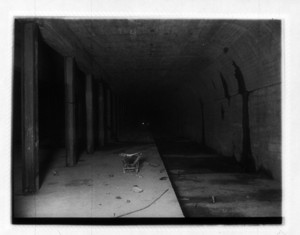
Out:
{"x": 30, "y": 132}
{"x": 59, "y": 36}
{"x": 55, "y": 39}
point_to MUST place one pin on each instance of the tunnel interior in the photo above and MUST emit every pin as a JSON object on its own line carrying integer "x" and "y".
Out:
{"x": 195, "y": 86}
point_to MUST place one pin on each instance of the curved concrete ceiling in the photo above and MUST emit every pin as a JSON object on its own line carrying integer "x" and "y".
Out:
{"x": 144, "y": 56}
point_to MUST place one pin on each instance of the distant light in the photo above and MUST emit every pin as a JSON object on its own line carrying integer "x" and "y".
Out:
{"x": 143, "y": 123}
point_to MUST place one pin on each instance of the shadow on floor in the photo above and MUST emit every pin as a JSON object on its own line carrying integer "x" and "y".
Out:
{"x": 211, "y": 185}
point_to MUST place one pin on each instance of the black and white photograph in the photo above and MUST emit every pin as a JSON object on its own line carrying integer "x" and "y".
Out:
{"x": 157, "y": 120}
{"x": 147, "y": 118}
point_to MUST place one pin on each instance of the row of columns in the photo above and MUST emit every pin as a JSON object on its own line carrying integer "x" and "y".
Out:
{"x": 106, "y": 105}
{"x": 98, "y": 97}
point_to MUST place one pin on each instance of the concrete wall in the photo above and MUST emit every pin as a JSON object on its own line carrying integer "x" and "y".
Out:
{"x": 265, "y": 128}
{"x": 254, "y": 61}
{"x": 223, "y": 126}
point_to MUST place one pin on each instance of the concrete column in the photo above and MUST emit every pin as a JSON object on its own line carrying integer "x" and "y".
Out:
{"x": 70, "y": 119}
{"x": 121, "y": 113}
{"x": 89, "y": 114}
{"x": 30, "y": 135}
{"x": 114, "y": 117}
{"x": 108, "y": 115}
{"x": 117, "y": 117}
{"x": 101, "y": 115}
{"x": 203, "y": 123}
{"x": 81, "y": 114}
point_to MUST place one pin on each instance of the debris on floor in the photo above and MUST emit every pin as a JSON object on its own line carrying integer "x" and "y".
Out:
{"x": 137, "y": 189}
{"x": 145, "y": 206}
{"x": 176, "y": 172}
{"x": 55, "y": 173}
{"x": 79, "y": 182}
{"x": 184, "y": 199}
{"x": 131, "y": 162}
{"x": 153, "y": 164}
{"x": 213, "y": 199}
{"x": 102, "y": 178}
{"x": 163, "y": 178}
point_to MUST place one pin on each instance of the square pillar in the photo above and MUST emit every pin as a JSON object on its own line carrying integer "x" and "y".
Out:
{"x": 89, "y": 114}
{"x": 30, "y": 132}
{"x": 70, "y": 117}
{"x": 114, "y": 117}
{"x": 101, "y": 115}
{"x": 108, "y": 115}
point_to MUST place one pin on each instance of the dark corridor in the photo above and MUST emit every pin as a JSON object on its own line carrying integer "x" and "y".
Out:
{"x": 201, "y": 98}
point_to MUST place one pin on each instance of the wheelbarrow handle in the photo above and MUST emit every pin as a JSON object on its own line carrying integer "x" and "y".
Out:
{"x": 136, "y": 160}
{"x": 129, "y": 155}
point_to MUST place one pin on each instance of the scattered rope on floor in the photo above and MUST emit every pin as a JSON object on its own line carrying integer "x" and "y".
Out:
{"x": 143, "y": 207}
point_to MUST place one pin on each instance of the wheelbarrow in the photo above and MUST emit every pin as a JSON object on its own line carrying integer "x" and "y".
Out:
{"x": 131, "y": 162}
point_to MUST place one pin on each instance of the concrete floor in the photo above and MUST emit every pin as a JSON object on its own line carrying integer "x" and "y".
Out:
{"x": 206, "y": 184}
{"x": 97, "y": 187}
{"x": 198, "y": 174}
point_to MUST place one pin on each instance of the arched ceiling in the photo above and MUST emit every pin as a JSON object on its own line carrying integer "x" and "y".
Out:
{"x": 144, "y": 56}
